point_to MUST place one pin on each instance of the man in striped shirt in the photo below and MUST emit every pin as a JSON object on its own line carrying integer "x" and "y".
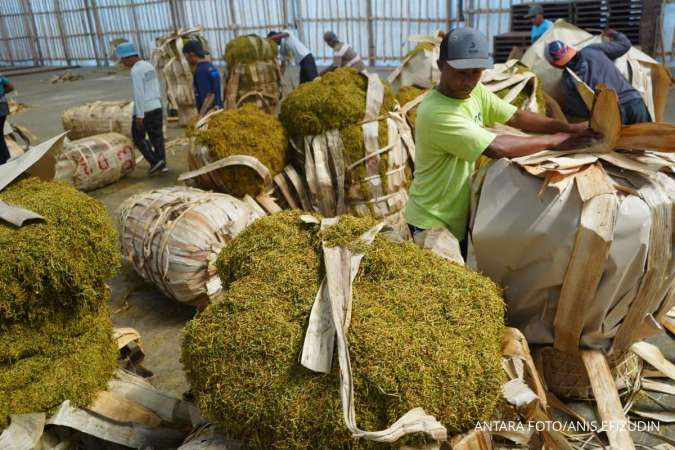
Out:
{"x": 344, "y": 55}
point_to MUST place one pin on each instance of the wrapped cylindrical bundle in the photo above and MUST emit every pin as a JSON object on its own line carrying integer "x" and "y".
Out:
{"x": 253, "y": 74}
{"x": 97, "y": 118}
{"x": 350, "y": 147}
{"x": 172, "y": 237}
{"x": 516, "y": 84}
{"x": 250, "y": 143}
{"x": 95, "y": 161}
{"x": 412, "y": 344}
{"x": 419, "y": 66}
{"x": 172, "y": 66}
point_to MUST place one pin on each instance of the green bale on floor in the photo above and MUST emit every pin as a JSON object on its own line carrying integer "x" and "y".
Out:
{"x": 55, "y": 331}
{"x": 66, "y": 358}
{"x": 244, "y": 131}
{"x": 414, "y": 339}
{"x": 60, "y": 264}
{"x": 249, "y": 49}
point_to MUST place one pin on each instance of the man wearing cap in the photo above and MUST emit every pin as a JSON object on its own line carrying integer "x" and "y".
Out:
{"x": 539, "y": 25}
{"x": 594, "y": 64}
{"x": 147, "y": 115}
{"x": 450, "y": 135}
{"x": 205, "y": 79}
{"x": 291, "y": 48}
{"x": 343, "y": 54}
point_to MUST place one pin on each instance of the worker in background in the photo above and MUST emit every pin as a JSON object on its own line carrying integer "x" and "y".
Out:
{"x": 594, "y": 64}
{"x": 539, "y": 25}
{"x": 205, "y": 79}
{"x": 343, "y": 54}
{"x": 5, "y": 88}
{"x": 147, "y": 115}
{"x": 450, "y": 135}
{"x": 292, "y": 49}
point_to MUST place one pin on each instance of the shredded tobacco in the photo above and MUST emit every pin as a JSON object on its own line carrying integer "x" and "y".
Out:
{"x": 424, "y": 333}
{"x": 407, "y": 94}
{"x": 249, "y": 49}
{"x": 245, "y": 131}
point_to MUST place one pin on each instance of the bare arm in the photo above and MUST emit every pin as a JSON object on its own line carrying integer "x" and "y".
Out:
{"x": 537, "y": 123}
{"x": 509, "y": 146}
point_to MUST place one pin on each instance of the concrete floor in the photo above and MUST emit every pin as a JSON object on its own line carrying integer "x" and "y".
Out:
{"x": 134, "y": 303}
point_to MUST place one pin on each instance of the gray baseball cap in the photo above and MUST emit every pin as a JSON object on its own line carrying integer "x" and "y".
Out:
{"x": 465, "y": 48}
{"x": 533, "y": 10}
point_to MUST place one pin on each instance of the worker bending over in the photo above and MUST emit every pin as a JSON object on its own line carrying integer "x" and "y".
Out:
{"x": 205, "y": 79}
{"x": 343, "y": 54}
{"x": 292, "y": 49}
{"x": 147, "y": 116}
{"x": 450, "y": 135}
{"x": 5, "y": 88}
{"x": 594, "y": 65}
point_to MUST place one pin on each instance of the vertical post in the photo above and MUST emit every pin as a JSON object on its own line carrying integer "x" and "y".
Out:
{"x": 175, "y": 14}
{"x": 99, "y": 33}
{"x": 299, "y": 20}
{"x": 5, "y": 37}
{"x": 448, "y": 11}
{"x": 134, "y": 20}
{"x": 29, "y": 23}
{"x": 284, "y": 12}
{"x": 371, "y": 41}
{"x": 233, "y": 17}
{"x": 59, "y": 24}
{"x": 92, "y": 33}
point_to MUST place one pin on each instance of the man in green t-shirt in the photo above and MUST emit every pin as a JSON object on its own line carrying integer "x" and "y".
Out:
{"x": 450, "y": 135}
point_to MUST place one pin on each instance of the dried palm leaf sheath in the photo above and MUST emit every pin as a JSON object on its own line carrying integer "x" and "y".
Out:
{"x": 409, "y": 97}
{"x": 655, "y": 137}
{"x": 171, "y": 64}
{"x": 514, "y": 83}
{"x": 352, "y": 150}
{"x": 419, "y": 67}
{"x": 253, "y": 73}
{"x": 412, "y": 343}
{"x": 247, "y": 131}
{"x": 97, "y": 118}
{"x": 96, "y": 161}
{"x": 172, "y": 237}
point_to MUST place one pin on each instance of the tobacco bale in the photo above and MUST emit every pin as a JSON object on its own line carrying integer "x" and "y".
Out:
{"x": 98, "y": 117}
{"x": 526, "y": 93}
{"x": 407, "y": 94}
{"x": 419, "y": 48}
{"x": 249, "y": 49}
{"x": 413, "y": 339}
{"x": 244, "y": 131}
{"x": 70, "y": 357}
{"x": 60, "y": 264}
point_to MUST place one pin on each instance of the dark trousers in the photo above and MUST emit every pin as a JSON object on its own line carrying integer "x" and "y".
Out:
{"x": 152, "y": 149}
{"x": 634, "y": 111}
{"x": 4, "y": 151}
{"x": 308, "y": 69}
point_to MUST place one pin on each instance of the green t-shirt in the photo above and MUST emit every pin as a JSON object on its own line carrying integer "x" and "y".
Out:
{"x": 449, "y": 138}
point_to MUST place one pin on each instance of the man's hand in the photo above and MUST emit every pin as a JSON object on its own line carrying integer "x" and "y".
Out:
{"x": 139, "y": 122}
{"x": 577, "y": 128}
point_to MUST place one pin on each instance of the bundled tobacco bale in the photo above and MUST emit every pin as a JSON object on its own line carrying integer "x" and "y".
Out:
{"x": 409, "y": 97}
{"x": 98, "y": 118}
{"x": 253, "y": 74}
{"x": 96, "y": 161}
{"x": 350, "y": 147}
{"x": 171, "y": 64}
{"x": 172, "y": 237}
{"x": 419, "y": 67}
{"x": 246, "y": 131}
{"x": 55, "y": 334}
{"x": 515, "y": 83}
{"x": 413, "y": 338}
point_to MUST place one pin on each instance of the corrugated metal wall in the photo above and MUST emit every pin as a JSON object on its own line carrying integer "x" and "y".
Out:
{"x": 80, "y": 31}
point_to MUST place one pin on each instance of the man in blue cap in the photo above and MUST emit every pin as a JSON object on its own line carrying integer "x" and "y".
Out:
{"x": 540, "y": 25}
{"x": 147, "y": 118}
{"x": 594, "y": 64}
{"x": 450, "y": 135}
{"x": 205, "y": 79}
